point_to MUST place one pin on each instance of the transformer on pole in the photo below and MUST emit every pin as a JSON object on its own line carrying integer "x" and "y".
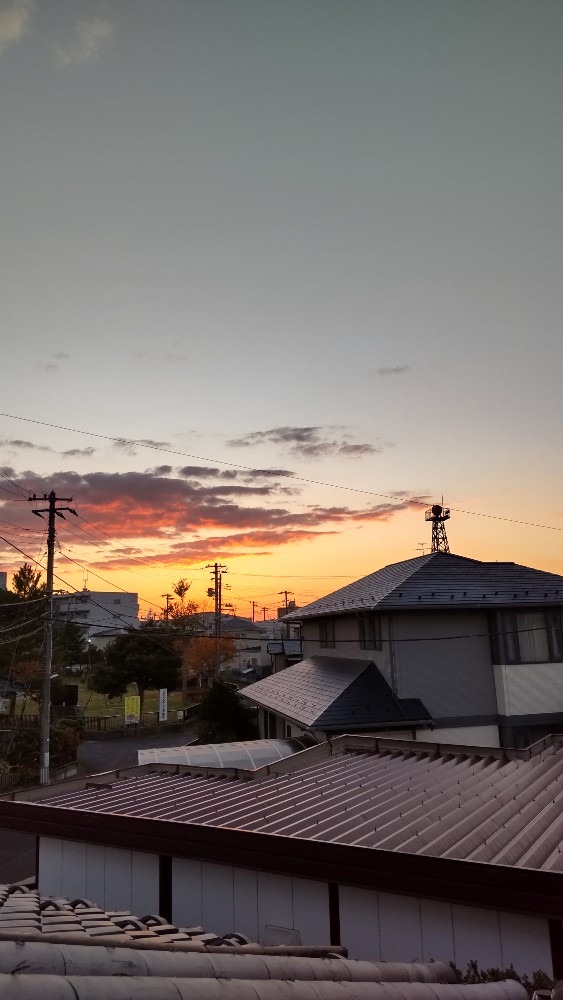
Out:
{"x": 438, "y": 515}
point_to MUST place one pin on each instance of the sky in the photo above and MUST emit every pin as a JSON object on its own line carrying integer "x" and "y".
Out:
{"x": 276, "y": 275}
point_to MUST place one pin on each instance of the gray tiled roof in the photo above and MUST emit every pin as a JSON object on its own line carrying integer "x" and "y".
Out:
{"x": 24, "y": 911}
{"x": 441, "y": 580}
{"x": 334, "y": 694}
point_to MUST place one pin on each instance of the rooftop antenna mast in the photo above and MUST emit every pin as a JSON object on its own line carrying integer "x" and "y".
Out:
{"x": 438, "y": 515}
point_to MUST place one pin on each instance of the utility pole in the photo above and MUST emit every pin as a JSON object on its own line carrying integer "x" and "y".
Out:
{"x": 45, "y": 707}
{"x": 167, "y": 609}
{"x": 284, "y": 593}
{"x": 264, "y": 614}
{"x": 254, "y": 606}
{"x": 218, "y": 570}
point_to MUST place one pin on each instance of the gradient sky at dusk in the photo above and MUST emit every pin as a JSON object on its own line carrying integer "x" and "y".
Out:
{"x": 262, "y": 237}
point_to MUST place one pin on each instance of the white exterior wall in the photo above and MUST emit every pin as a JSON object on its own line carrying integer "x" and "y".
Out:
{"x": 472, "y": 736}
{"x": 109, "y": 876}
{"x": 529, "y": 688}
{"x": 275, "y": 909}
{"x": 96, "y": 610}
{"x": 380, "y": 926}
{"x": 265, "y": 906}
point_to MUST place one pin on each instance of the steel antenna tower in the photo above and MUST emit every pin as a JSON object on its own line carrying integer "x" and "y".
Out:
{"x": 438, "y": 515}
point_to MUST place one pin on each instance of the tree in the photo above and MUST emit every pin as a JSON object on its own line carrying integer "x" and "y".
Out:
{"x": 223, "y": 716}
{"x": 69, "y": 645}
{"x": 23, "y": 621}
{"x": 25, "y": 583}
{"x": 139, "y": 657}
{"x": 205, "y": 655}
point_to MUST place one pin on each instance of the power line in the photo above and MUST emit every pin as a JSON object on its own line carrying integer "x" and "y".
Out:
{"x": 17, "y": 486}
{"x": 288, "y": 475}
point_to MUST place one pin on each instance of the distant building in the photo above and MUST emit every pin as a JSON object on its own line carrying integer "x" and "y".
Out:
{"x": 99, "y": 612}
{"x": 3, "y": 580}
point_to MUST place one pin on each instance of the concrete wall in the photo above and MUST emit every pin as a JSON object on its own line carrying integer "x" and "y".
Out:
{"x": 274, "y": 909}
{"x": 268, "y": 908}
{"x": 383, "y": 926}
{"x": 109, "y": 876}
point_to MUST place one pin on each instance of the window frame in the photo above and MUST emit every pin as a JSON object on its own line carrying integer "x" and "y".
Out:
{"x": 504, "y": 632}
{"x": 369, "y": 631}
{"x": 327, "y": 639}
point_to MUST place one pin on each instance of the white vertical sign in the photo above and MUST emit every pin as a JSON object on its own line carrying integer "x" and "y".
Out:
{"x": 163, "y": 705}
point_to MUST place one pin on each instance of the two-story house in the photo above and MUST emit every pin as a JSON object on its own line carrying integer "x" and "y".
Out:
{"x": 470, "y": 650}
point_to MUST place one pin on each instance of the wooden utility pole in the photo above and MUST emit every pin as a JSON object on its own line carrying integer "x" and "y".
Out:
{"x": 45, "y": 706}
{"x": 217, "y": 573}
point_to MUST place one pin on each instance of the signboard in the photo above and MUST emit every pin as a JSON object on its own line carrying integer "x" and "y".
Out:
{"x": 163, "y": 705}
{"x": 132, "y": 709}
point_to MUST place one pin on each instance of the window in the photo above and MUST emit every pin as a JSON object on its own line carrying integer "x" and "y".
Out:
{"x": 270, "y": 725}
{"x": 326, "y": 633}
{"x": 370, "y": 632}
{"x": 527, "y": 637}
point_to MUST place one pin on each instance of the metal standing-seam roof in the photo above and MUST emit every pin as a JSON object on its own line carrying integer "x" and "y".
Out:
{"x": 462, "y": 803}
{"x": 335, "y": 694}
{"x": 441, "y": 580}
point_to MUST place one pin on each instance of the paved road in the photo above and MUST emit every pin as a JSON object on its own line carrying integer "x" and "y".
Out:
{"x": 95, "y": 756}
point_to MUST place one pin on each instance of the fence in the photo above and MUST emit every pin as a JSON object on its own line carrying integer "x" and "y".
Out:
{"x": 90, "y": 723}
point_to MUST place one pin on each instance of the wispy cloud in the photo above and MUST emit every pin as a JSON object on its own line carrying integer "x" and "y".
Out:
{"x": 127, "y": 446}
{"x": 15, "y": 23}
{"x": 308, "y": 442}
{"x": 78, "y": 452}
{"x": 91, "y": 40}
{"x": 394, "y": 370}
{"x": 22, "y": 445}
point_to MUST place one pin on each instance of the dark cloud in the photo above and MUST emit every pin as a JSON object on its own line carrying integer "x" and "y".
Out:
{"x": 191, "y": 519}
{"x": 394, "y": 370}
{"x": 77, "y": 452}
{"x": 25, "y": 445}
{"x": 308, "y": 442}
{"x": 31, "y": 446}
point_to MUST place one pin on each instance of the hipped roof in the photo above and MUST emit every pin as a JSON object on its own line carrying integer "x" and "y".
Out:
{"x": 441, "y": 580}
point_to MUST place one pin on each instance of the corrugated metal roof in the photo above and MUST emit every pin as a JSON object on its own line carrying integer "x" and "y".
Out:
{"x": 240, "y": 756}
{"x": 466, "y": 805}
{"x": 441, "y": 580}
{"x": 334, "y": 693}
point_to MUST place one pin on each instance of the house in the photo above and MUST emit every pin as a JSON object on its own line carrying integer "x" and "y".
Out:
{"x": 479, "y": 644}
{"x": 395, "y": 850}
{"x": 98, "y": 612}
